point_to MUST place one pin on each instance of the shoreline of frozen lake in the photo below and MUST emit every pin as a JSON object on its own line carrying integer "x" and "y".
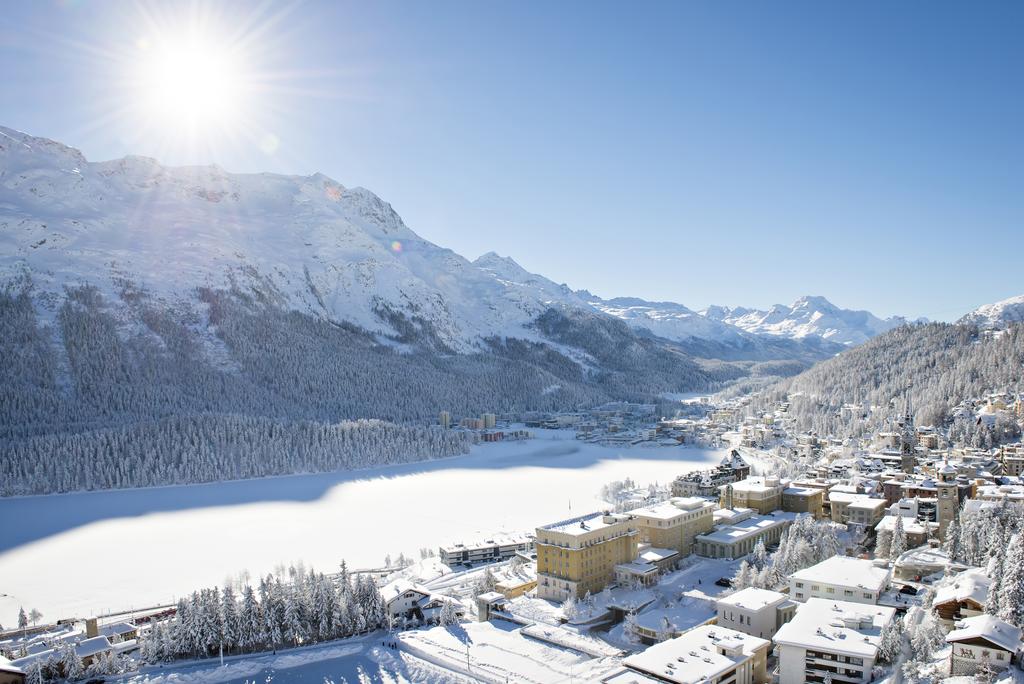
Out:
{"x": 90, "y": 552}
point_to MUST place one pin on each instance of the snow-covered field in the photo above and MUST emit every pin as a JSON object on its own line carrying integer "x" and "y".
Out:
{"x": 80, "y": 554}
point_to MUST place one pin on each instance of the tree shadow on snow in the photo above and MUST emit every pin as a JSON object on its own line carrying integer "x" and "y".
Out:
{"x": 32, "y": 518}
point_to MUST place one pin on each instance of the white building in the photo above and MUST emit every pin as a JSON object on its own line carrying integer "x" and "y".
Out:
{"x": 739, "y": 538}
{"x": 753, "y": 611}
{"x": 703, "y": 654}
{"x": 837, "y": 639}
{"x": 486, "y": 551}
{"x": 841, "y": 578}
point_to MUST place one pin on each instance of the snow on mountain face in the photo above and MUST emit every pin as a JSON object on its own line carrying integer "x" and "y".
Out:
{"x": 997, "y": 315}
{"x": 667, "y": 319}
{"x": 807, "y": 316}
{"x": 309, "y": 243}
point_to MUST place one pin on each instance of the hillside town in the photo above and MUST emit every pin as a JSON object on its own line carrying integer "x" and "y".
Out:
{"x": 898, "y": 556}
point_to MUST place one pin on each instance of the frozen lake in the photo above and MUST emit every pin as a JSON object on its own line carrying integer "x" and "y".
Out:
{"x": 88, "y": 553}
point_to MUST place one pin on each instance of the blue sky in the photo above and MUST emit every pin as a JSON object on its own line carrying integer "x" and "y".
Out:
{"x": 700, "y": 152}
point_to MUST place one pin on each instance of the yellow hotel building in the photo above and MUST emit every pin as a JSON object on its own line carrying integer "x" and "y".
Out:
{"x": 579, "y": 555}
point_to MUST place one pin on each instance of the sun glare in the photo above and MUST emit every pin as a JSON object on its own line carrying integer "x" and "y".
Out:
{"x": 191, "y": 82}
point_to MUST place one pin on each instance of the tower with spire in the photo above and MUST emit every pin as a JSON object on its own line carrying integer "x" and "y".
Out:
{"x": 908, "y": 439}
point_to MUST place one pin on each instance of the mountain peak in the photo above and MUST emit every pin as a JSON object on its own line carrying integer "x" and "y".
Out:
{"x": 997, "y": 314}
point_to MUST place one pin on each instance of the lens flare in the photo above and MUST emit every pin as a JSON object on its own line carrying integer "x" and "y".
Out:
{"x": 396, "y": 246}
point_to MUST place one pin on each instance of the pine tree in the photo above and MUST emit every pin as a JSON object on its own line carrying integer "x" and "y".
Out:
{"x": 952, "y": 545}
{"x": 899, "y": 538}
{"x": 1011, "y": 592}
{"x": 891, "y": 640}
{"x": 251, "y": 627}
{"x": 22, "y": 619}
{"x": 883, "y": 544}
{"x": 230, "y": 627}
{"x": 759, "y": 557}
{"x": 742, "y": 578}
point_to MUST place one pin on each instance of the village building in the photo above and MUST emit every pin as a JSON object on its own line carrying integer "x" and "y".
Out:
{"x": 740, "y": 535}
{"x": 842, "y": 578}
{"x": 962, "y": 596}
{"x": 982, "y": 640}
{"x": 762, "y": 494}
{"x": 704, "y": 654}
{"x": 753, "y": 611}
{"x": 798, "y": 499}
{"x": 487, "y": 551}
{"x": 831, "y": 640}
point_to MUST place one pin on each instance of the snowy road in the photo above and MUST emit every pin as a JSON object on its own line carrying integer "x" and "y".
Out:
{"x": 80, "y": 554}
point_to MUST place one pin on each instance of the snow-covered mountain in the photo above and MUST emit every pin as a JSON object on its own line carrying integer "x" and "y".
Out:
{"x": 667, "y": 319}
{"x": 997, "y": 315}
{"x": 807, "y": 316}
{"x": 314, "y": 245}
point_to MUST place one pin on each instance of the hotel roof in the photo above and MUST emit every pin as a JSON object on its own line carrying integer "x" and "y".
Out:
{"x": 844, "y": 571}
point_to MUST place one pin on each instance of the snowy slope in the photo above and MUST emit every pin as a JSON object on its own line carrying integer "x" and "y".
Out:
{"x": 997, "y": 315}
{"x": 307, "y": 243}
{"x": 807, "y": 316}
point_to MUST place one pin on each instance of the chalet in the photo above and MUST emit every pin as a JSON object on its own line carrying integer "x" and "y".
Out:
{"x": 962, "y": 596}
{"x": 982, "y": 640}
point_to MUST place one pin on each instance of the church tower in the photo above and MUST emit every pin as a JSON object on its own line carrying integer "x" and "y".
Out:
{"x": 948, "y": 494}
{"x": 908, "y": 440}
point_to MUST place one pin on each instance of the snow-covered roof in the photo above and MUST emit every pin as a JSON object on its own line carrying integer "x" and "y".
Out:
{"x": 635, "y": 568}
{"x": 797, "y": 490}
{"x": 910, "y": 525}
{"x": 752, "y": 598}
{"x": 843, "y": 571}
{"x": 117, "y": 628}
{"x": 925, "y": 556}
{"x": 655, "y": 555}
{"x": 700, "y": 654}
{"x": 491, "y": 597}
{"x": 970, "y": 584}
{"x": 759, "y": 485}
{"x": 836, "y": 627}
{"x": 868, "y": 504}
{"x": 90, "y": 647}
{"x": 396, "y": 589}
{"x": 987, "y": 627}
{"x": 750, "y": 527}
{"x": 586, "y": 523}
{"x": 625, "y": 676}
{"x": 6, "y": 666}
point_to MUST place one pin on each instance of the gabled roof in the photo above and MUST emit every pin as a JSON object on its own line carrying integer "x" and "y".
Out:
{"x": 989, "y": 628}
{"x": 971, "y": 584}
{"x": 396, "y": 589}
{"x": 90, "y": 647}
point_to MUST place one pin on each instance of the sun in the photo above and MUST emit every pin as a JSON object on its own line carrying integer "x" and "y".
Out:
{"x": 190, "y": 82}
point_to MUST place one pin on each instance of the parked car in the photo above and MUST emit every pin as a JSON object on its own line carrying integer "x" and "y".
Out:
{"x": 724, "y": 582}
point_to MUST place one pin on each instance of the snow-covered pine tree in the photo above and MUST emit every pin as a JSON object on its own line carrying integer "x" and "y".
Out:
{"x": 899, "y": 538}
{"x": 1011, "y": 592}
